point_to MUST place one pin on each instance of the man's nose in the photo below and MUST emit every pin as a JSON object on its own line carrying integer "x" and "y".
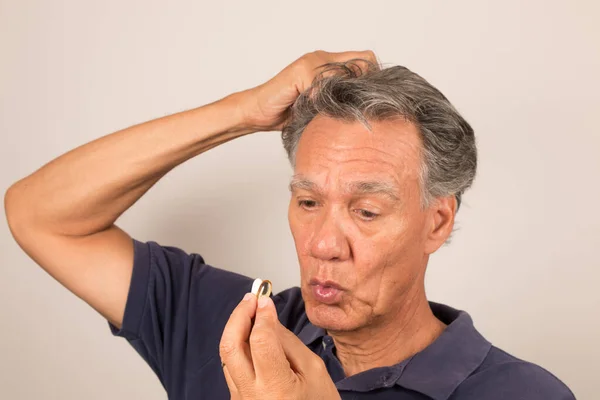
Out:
{"x": 330, "y": 242}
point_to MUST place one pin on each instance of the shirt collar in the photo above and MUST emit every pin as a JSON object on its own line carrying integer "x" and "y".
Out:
{"x": 310, "y": 333}
{"x": 437, "y": 370}
{"x": 461, "y": 348}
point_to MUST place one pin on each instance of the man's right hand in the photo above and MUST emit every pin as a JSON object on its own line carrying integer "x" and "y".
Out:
{"x": 266, "y": 106}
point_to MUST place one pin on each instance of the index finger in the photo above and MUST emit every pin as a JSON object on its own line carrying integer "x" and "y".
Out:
{"x": 354, "y": 60}
{"x": 348, "y": 55}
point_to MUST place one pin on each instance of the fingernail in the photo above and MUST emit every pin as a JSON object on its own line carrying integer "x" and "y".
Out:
{"x": 248, "y": 296}
{"x": 263, "y": 301}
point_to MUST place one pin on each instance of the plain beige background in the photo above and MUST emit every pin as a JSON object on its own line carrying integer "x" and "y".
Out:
{"x": 524, "y": 261}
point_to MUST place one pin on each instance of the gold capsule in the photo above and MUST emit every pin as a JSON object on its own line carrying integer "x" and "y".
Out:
{"x": 261, "y": 288}
{"x": 264, "y": 289}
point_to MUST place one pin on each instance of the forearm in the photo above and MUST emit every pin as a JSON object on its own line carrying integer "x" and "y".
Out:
{"x": 85, "y": 190}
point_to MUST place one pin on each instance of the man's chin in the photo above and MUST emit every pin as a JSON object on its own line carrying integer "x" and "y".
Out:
{"x": 328, "y": 317}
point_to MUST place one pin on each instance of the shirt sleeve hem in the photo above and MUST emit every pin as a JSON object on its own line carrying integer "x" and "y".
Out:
{"x": 137, "y": 295}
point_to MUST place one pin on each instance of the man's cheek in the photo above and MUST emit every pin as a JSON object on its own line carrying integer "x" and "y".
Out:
{"x": 366, "y": 288}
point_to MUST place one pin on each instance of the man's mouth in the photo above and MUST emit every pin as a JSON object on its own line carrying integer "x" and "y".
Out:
{"x": 327, "y": 292}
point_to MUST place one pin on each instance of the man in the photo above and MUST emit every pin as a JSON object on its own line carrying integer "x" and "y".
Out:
{"x": 381, "y": 160}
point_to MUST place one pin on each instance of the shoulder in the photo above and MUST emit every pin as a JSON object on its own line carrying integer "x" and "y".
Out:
{"x": 503, "y": 376}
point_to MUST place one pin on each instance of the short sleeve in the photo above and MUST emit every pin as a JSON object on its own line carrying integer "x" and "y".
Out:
{"x": 513, "y": 380}
{"x": 176, "y": 302}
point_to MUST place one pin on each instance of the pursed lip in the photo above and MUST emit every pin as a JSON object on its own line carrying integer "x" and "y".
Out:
{"x": 326, "y": 283}
{"x": 326, "y": 291}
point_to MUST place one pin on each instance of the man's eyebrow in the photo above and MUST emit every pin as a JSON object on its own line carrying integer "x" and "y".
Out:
{"x": 374, "y": 187}
{"x": 357, "y": 187}
{"x": 298, "y": 182}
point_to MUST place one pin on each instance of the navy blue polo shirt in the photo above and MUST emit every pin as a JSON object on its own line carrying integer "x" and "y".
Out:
{"x": 177, "y": 308}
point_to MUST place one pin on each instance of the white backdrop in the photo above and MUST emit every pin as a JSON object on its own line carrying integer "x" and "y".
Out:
{"x": 524, "y": 74}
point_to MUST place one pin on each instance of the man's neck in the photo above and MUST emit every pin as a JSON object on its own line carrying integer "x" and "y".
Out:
{"x": 414, "y": 328}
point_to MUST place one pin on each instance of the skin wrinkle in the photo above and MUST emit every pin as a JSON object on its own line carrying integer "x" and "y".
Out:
{"x": 350, "y": 350}
{"x": 390, "y": 164}
{"x": 377, "y": 352}
{"x": 383, "y": 316}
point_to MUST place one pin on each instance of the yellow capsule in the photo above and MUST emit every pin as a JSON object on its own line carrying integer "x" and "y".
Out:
{"x": 264, "y": 289}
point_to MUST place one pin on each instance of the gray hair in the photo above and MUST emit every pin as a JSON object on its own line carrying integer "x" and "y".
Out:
{"x": 347, "y": 93}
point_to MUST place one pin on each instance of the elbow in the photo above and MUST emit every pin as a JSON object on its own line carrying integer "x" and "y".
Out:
{"x": 13, "y": 209}
{"x": 9, "y": 202}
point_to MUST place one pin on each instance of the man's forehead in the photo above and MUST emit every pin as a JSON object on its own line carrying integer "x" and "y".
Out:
{"x": 388, "y": 135}
{"x": 390, "y": 146}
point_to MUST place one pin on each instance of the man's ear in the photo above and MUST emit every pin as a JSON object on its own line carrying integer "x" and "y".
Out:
{"x": 442, "y": 215}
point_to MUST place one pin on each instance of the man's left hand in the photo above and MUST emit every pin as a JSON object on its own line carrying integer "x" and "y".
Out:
{"x": 267, "y": 361}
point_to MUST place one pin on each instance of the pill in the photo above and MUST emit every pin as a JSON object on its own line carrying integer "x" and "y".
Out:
{"x": 265, "y": 288}
{"x": 261, "y": 288}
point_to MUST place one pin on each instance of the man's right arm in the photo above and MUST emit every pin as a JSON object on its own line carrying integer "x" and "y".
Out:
{"x": 63, "y": 215}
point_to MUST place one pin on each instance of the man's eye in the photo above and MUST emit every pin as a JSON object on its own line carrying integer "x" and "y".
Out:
{"x": 367, "y": 215}
{"x": 307, "y": 203}
{"x": 311, "y": 204}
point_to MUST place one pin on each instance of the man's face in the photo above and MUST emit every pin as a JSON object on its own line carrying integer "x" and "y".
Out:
{"x": 356, "y": 218}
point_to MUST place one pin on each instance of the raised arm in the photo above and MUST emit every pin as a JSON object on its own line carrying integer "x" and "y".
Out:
{"x": 63, "y": 215}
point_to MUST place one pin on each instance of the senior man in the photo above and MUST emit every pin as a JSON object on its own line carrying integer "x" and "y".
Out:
{"x": 381, "y": 160}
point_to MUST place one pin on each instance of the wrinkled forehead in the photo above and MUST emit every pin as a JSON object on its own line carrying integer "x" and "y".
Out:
{"x": 345, "y": 152}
